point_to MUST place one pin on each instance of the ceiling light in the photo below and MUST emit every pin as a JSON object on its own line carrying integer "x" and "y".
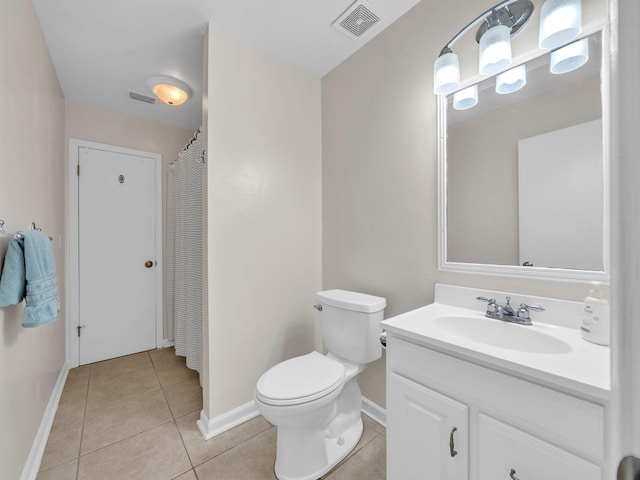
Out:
{"x": 511, "y": 80}
{"x": 560, "y": 23}
{"x": 571, "y": 57}
{"x": 467, "y": 98}
{"x": 169, "y": 90}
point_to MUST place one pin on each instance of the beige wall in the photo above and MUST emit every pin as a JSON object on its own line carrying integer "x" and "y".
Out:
{"x": 31, "y": 190}
{"x": 95, "y": 124}
{"x": 380, "y": 167}
{"x": 264, "y": 216}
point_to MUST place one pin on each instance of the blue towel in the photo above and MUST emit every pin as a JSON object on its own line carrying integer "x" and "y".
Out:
{"x": 30, "y": 272}
{"x": 13, "y": 283}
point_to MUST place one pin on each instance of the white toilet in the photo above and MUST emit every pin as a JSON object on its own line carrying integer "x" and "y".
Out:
{"x": 314, "y": 400}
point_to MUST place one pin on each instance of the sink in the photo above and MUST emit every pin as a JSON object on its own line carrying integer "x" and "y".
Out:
{"x": 502, "y": 334}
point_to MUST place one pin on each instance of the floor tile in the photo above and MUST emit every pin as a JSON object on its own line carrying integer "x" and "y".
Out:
{"x": 121, "y": 365}
{"x": 65, "y": 471}
{"x": 369, "y": 463}
{"x": 79, "y": 373}
{"x": 73, "y": 399}
{"x": 253, "y": 459}
{"x": 156, "y": 454}
{"x": 173, "y": 371}
{"x": 200, "y": 450}
{"x": 184, "y": 397}
{"x": 63, "y": 443}
{"x": 105, "y": 390}
{"x": 190, "y": 475}
{"x": 376, "y": 426}
{"x": 121, "y": 419}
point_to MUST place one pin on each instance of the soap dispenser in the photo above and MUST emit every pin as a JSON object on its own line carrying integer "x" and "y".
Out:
{"x": 596, "y": 327}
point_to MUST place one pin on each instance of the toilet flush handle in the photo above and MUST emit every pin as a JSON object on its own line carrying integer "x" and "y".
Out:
{"x": 318, "y": 307}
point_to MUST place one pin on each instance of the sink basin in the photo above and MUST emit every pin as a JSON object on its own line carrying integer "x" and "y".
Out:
{"x": 502, "y": 334}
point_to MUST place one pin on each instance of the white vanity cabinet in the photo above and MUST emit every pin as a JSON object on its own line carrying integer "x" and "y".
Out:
{"x": 506, "y": 427}
{"x": 428, "y": 437}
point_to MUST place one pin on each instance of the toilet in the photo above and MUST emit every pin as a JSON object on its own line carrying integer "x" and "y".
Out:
{"x": 314, "y": 400}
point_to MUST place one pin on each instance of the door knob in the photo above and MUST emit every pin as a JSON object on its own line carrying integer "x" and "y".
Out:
{"x": 148, "y": 264}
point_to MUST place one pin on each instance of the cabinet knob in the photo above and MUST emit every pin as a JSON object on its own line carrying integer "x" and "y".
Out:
{"x": 452, "y": 449}
{"x": 148, "y": 264}
{"x": 512, "y": 474}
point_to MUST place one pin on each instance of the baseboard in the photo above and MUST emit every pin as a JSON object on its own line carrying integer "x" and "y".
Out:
{"x": 31, "y": 468}
{"x": 168, "y": 343}
{"x": 215, "y": 426}
{"x": 374, "y": 411}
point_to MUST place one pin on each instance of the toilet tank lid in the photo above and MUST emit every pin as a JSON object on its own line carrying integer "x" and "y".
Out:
{"x": 358, "y": 302}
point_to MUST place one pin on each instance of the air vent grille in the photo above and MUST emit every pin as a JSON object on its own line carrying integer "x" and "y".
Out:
{"x": 357, "y": 20}
{"x": 142, "y": 98}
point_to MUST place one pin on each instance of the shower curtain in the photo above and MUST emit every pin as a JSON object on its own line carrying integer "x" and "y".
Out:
{"x": 184, "y": 300}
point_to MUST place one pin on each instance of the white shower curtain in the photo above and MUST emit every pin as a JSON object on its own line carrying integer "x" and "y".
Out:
{"x": 184, "y": 301}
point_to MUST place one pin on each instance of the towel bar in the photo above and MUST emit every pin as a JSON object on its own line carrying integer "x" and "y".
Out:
{"x": 17, "y": 235}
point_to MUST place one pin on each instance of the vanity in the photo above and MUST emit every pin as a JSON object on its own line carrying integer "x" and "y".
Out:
{"x": 470, "y": 397}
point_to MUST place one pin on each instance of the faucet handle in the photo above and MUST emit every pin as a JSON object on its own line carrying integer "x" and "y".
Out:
{"x": 523, "y": 312}
{"x": 492, "y": 307}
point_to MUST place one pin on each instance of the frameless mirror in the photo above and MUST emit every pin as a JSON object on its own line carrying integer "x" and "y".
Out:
{"x": 523, "y": 175}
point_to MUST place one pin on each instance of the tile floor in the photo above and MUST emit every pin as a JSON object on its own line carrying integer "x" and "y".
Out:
{"x": 134, "y": 418}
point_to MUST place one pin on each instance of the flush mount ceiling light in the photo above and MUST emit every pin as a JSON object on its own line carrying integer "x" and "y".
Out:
{"x": 560, "y": 23}
{"x": 511, "y": 80}
{"x": 169, "y": 90}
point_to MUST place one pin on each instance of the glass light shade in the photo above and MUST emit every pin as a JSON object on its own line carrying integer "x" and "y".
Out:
{"x": 571, "y": 57}
{"x": 169, "y": 90}
{"x": 446, "y": 74}
{"x": 511, "y": 80}
{"x": 560, "y": 23}
{"x": 495, "y": 50}
{"x": 465, "y": 99}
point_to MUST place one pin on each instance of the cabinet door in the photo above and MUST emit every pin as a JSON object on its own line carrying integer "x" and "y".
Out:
{"x": 427, "y": 433}
{"x": 508, "y": 453}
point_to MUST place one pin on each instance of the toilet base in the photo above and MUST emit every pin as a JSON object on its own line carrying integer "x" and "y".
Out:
{"x": 337, "y": 449}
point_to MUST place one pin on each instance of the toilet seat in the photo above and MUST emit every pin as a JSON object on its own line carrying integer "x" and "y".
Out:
{"x": 300, "y": 380}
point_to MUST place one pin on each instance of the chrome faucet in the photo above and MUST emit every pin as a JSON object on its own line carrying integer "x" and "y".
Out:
{"x": 506, "y": 312}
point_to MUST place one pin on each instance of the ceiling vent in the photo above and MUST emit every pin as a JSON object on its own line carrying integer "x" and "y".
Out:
{"x": 356, "y": 20}
{"x": 141, "y": 98}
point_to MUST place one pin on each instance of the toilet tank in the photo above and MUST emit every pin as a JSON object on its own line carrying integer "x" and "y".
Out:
{"x": 351, "y": 324}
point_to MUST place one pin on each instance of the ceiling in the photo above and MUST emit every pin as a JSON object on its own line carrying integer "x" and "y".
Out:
{"x": 103, "y": 49}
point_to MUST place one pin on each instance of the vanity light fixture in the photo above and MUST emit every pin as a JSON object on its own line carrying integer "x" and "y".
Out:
{"x": 511, "y": 80}
{"x": 169, "y": 90}
{"x": 498, "y": 25}
{"x": 560, "y": 23}
{"x": 466, "y": 98}
{"x": 570, "y": 57}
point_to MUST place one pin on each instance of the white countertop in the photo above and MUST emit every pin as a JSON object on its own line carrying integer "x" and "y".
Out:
{"x": 584, "y": 369}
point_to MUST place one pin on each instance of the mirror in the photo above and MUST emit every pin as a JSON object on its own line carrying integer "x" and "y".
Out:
{"x": 523, "y": 187}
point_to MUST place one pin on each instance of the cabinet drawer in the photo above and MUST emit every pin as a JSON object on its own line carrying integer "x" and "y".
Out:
{"x": 572, "y": 423}
{"x": 507, "y": 453}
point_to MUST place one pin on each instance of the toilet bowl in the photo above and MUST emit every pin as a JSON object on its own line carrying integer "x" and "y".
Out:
{"x": 314, "y": 400}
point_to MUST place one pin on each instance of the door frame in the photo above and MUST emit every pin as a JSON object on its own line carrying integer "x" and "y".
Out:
{"x": 73, "y": 280}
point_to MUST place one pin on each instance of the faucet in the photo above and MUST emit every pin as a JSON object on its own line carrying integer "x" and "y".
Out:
{"x": 506, "y": 312}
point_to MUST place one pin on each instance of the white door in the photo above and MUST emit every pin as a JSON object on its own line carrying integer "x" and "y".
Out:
{"x": 561, "y": 199}
{"x": 117, "y": 254}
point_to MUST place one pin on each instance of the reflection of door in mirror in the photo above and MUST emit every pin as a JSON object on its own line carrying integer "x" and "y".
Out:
{"x": 560, "y": 191}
